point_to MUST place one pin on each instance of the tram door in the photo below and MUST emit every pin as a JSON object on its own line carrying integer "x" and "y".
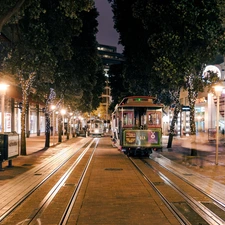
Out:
{"x": 139, "y": 117}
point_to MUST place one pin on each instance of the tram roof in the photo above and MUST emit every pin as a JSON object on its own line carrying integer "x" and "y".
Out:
{"x": 139, "y": 101}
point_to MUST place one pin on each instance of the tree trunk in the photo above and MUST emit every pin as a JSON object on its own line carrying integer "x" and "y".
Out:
{"x": 172, "y": 126}
{"x": 47, "y": 139}
{"x": 59, "y": 129}
{"x": 193, "y": 139}
{"x": 170, "y": 140}
{"x": 23, "y": 133}
{"x": 47, "y": 130}
{"x": 192, "y": 118}
{"x": 192, "y": 96}
{"x": 68, "y": 131}
{"x": 25, "y": 92}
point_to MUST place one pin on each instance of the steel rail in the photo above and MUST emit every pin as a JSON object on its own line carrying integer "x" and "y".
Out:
{"x": 170, "y": 206}
{"x": 199, "y": 208}
{"x": 72, "y": 201}
{"x": 24, "y": 197}
{"x": 219, "y": 203}
{"x": 36, "y": 214}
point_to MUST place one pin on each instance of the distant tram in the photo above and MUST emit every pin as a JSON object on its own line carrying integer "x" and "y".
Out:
{"x": 96, "y": 127}
{"x": 137, "y": 125}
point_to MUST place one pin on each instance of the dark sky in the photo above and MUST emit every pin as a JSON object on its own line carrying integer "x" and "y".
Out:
{"x": 106, "y": 33}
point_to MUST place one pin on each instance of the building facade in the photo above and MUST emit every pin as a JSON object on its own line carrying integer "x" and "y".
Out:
{"x": 109, "y": 56}
{"x": 205, "y": 110}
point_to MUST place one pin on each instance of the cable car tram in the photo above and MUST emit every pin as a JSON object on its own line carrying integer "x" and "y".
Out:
{"x": 80, "y": 127}
{"x": 137, "y": 125}
{"x": 96, "y": 127}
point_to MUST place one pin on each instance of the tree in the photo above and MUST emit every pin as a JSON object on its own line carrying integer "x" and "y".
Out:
{"x": 191, "y": 38}
{"x": 87, "y": 64}
{"x": 25, "y": 85}
{"x": 43, "y": 45}
{"x": 8, "y": 10}
{"x": 118, "y": 84}
{"x": 48, "y": 111}
{"x": 78, "y": 76}
{"x": 177, "y": 47}
{"x": 100, "y": 113}
{"x": 26, "y": 60}
{"x": 138, "y": 63}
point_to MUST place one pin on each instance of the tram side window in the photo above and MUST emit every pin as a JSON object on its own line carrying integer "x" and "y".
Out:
{"x": 128, "y": 119}
{"x": 154, "y": 119}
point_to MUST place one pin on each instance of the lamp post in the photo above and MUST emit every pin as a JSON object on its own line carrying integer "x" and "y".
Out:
{"x": 218, "y": 91}
{"x": 3, "y": 88}
{"x": 63, "y": 112}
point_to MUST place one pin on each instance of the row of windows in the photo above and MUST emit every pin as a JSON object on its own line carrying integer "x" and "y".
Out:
{"x": 151, "y": 119}
{"x": 113, "y": 49}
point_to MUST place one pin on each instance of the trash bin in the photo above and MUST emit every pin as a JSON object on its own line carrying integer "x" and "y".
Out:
{"x": 9, "y": 145}
{"x": 2, "y": 148}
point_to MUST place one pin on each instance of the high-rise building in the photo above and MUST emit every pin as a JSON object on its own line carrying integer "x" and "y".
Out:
{"x": 109, "y": 56}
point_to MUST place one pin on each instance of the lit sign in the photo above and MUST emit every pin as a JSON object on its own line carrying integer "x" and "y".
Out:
{"x": 137, "y": 99}
{"x": 185, "y": 108}
{"x": 140, "y": 99}
{"x": 213, "y": 69}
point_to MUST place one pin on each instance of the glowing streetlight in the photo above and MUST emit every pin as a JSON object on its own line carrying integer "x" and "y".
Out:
{"x": 3, "y": 88}
{"x": 63, "y": 112}
{"x": 218, "y": 90}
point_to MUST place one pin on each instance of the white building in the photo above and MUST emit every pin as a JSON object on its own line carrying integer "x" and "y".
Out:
{"x": 205, "y": 110}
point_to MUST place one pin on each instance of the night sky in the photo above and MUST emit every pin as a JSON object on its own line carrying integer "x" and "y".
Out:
{"x": 106, "y": 35}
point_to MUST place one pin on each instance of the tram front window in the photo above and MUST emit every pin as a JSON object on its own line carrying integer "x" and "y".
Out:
{"x": 154, "y": 119}
{"x": 128, "y": 119}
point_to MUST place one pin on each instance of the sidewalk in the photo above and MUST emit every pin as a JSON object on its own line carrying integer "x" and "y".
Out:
{"x": 203, "y": 160}
{"x": 34, "y": 144}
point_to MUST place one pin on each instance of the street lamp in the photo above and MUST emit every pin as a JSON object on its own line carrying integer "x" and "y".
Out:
{"x": 3, "y": 88}
{"x": 63, "y": 112}
{"x": 218, "y": 90}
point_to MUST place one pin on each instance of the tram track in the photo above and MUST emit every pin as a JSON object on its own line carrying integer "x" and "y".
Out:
{"x": 184, "y": 200}
{"x": 72, "y": 201}
{"x": 64, "y": 180}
